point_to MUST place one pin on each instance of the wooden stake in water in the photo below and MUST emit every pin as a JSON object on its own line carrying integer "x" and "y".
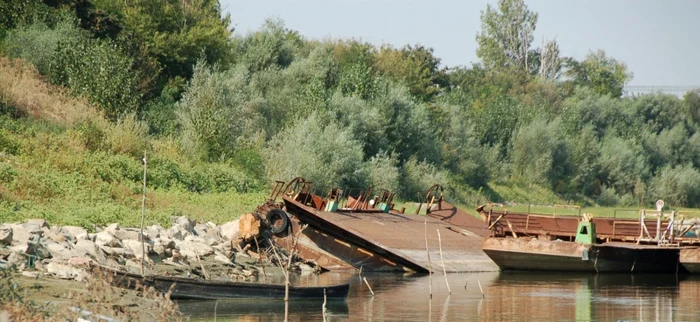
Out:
{"x": 260, "y": 259}
{"x": 444, "y": 270}
{"x": 325, "y": 313}
{"x": 143, "y": 210}
{"x": 370, "y": 288}
{"x": 481, "y": 289}
{"x": 430, "y": 268}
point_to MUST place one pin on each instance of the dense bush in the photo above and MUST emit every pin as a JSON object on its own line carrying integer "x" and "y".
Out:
{"x": 97, "y": 69}
{"x": 222, "y": 113}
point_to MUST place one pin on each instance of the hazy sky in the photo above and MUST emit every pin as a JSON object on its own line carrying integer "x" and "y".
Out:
{"x": 658, "y": 40}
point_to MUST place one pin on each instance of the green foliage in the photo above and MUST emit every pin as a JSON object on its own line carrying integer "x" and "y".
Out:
{"x": 318, "y": 149}
{"x": 169, "y": 37}
{"x": 506, "y": 34}
{"x": 210, "y": 112}
{"x": 270, "y": 46}
{"x": 107, "y": 78}
{"x": 14, "y": 13}
{"x": 382, "y": 172}
{"x": 679, "y": 185}
{"x": 622, "y": 162}
{"x": 541, "y": 156}
{"x": 97, "y": 69}
{"x": 605, "y": 75}
{"x": 414, "y": 66}
{"x": 418, "y": 176}
{"x": 37, "y": 42}
{"x": 222, "y": 115}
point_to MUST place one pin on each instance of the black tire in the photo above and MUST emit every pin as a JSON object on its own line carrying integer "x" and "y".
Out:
{"x": 278, "y": 220}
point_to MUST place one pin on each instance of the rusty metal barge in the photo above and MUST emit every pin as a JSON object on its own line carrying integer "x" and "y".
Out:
{"x": 655, "y": 243}
{"x": 362, "y": 230}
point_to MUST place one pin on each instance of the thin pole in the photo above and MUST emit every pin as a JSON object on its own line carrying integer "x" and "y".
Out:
{"x": 430, "y": 268}
{"x": 143, "y": 210}
{"x": 444, "y": 270}
{"x": 370, "y": 288}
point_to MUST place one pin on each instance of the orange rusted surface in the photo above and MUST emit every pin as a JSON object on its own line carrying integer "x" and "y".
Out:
{"x": 393, "y": 241}
{"x": 446, "y": 212}
{"x": 690, "y": 259}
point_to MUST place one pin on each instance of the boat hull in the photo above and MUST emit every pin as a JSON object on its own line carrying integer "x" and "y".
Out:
{"x": 192, "y": 289}
{"x": 533, "y": 254}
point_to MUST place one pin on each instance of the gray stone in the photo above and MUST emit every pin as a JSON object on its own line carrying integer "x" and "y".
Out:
{"x": 186, "y": 223}
{"x": 178, "y": 233}
{"x": 192, "y": 249}
{"x": 111, "y": 228}
{"x": 105, "y": 238}
{"x": 78, "y": 261}
{"x": 201, "y": 230}
{"x": 38, "y": 249}
{"x": 137, "y": 248}
{"x": 74, "y": 233}
{"x": 229, "y": 230}
{"x": 31, "y": 274}
{"x": 57, "y": 237}
{"x": 64, "y": 271}
{"x": 126, "y": 234}
{"x": 89, "y": 248}
{"x": 5, "y": 235}
{"x": 159, "y": 249}
{"x": 108, "y": 251}
{"x": 17, "y": 259}
{"x": 39, "y": 222}
{"x": 21, "y": 234}
{"x": 222, "y": 258}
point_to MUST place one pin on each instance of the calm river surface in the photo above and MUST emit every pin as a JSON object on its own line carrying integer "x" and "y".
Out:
{"x": 507, "y": 297}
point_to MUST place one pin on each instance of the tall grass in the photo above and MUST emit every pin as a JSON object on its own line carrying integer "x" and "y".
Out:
{"x": 24, "y": 92}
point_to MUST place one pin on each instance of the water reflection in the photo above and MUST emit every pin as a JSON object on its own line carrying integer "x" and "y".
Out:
{"x": 507, "y": 296}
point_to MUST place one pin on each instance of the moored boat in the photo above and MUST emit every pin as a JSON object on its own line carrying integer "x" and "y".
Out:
{"x": 194, "y": 289}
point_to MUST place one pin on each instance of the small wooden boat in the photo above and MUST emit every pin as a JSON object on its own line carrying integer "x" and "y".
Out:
{"x": 193, "y": 289}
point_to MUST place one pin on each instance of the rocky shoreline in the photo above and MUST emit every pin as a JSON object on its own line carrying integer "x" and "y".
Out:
{"x": 186, "y": 249}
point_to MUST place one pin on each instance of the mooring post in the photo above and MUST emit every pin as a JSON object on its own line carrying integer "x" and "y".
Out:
{"x": 444, "y": 270}
{"x": 430, "y": 268}
{"x": 143, "y": 210}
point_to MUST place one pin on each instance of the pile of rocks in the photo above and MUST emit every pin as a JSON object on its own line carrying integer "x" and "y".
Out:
{"x": 66, "y": 251}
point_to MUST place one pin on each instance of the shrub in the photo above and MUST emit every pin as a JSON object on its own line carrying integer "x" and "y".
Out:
{"x": 210, "y": 112}
{"x": 99, "y": 70}
{"x": 540, "y": 155}
{"x": 37, "y": 42}
{"x": 418, "y": 176}
{"x": 608, "y": 197}
{"x": 129, "y": 136}
{"x": 317, "y": 149}
{"x": 383, "y": 172}
{"x": 679, "y": 186}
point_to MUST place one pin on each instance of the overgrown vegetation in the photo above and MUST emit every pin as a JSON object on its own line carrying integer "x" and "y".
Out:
{"x": 88, "y": 86}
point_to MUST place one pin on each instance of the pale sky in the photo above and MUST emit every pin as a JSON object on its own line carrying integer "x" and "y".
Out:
{"x": 658, "y": 40}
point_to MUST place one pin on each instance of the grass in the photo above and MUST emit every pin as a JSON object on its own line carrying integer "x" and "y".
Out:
{"x": 62, "y": 161}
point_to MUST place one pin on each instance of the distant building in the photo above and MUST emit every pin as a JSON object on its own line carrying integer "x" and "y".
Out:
{"x": 679, "y": 91}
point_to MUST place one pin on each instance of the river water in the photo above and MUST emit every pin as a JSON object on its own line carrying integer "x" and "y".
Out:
{"x": 506, "y": 297}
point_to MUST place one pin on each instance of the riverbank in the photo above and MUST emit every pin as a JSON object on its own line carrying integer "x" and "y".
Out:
{"x": 51, "y": 267}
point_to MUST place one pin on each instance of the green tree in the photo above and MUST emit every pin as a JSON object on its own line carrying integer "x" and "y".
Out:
{"x": 173, "y": 35}
{"x": 506, "y": 34}
{"x": 414, "y": 66}
{"x": 210, "y": 112}
{"x": 604, "y": 74}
